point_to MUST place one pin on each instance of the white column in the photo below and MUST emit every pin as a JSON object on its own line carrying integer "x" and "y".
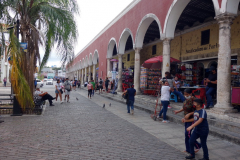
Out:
{"x": 166, "y": 56}
{"x": 94, "y": 72}
{"x": 224, "y": 62}
{"x": 119, "y": 73}
{"x": 137, "y": 69}
{"x": 82, "y": 80}
{"x": 108, "y": 65}
{"x": 89, "y": 73}
{"x": 85, "y": 78}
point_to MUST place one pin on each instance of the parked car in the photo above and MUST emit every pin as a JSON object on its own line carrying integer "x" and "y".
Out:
{"x": 49, "y": 82}
{"x": 45, "y": 80}
{"x": 39, "y": 82}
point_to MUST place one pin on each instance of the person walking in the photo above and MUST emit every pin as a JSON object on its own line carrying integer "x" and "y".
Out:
{"x": 188, "y": 108}
{"x": 74, "y": 84}
{"x": 201, "y": 129}
{"x": 94, "y": 87}
{"x": 100, "y": 85}
{"x": 131, "y": 98}
{"x": 106, "y": 84}
{"x": 67, "y": 89}
{"x": 5, "y": 82}
{"x": 59, "y": 91}
{"x": 211, "y": 87}
{"x": 35, "y": 83}
{"x": 177, "y": 84}
{"x": 165, "y": 97}
{"x": 90, "y": 88}
{"x": 79, "y": 84}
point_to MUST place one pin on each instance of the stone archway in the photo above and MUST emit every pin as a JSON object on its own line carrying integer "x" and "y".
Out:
{"x": 174, "y": 13}
{"x": 123, "y": 40}
{"x": 112, "y": 45}
{"x": 143, "y": 27}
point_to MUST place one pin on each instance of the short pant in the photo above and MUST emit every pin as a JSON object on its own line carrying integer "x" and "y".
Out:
{"x": 67, "y": 93}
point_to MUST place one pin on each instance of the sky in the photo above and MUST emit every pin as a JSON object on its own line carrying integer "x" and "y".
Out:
{"x": 94, "y": 16}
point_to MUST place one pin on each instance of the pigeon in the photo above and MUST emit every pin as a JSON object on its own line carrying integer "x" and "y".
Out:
{"x": 76, "y": 98}
{"x": 104, "y": 105}
{"x": 110, "y": 105}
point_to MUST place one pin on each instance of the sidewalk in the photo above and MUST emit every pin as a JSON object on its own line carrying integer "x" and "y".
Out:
{"x": 170, "y": 133}
{"x": 225, "y": 127}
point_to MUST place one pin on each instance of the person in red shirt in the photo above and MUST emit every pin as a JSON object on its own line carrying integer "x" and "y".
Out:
{"x": 90, "y": 88}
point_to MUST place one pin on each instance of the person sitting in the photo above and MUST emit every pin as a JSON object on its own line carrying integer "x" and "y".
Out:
{"x": 43, "y": 96}
{"x": 211, "y": 87}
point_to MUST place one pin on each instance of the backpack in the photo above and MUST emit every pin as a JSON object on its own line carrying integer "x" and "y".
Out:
{"x": 125, "y": 95}
{"x": 67, "y": 86}
{"x": 100, "y": 82}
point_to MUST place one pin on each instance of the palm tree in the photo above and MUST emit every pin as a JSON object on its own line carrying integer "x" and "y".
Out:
{"x": 43, "y": 23}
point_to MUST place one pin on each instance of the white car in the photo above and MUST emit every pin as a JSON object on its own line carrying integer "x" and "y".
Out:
{"x": 39, "y": 82}
{"x": 49, "y": 82}
{"x": 45, "y": 80}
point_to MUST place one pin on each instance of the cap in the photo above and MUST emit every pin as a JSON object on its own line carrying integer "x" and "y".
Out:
{"x": 37, "y": 87}
{"x": 212, "y": 68}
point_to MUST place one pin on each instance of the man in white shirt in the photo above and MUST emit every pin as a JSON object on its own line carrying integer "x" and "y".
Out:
{"x": 43, "y": 96}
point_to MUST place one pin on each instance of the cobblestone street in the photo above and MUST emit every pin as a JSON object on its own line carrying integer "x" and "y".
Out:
{"x": 79, "y": 130}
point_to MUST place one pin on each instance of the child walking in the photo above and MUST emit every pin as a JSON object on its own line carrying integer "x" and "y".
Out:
{"x": 165, "y": 97}
{"x": 201, "y": 129}
{"x": 188, "y": 108}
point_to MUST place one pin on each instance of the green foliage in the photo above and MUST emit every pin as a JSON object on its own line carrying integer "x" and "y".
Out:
{"x": 40, "y": 77}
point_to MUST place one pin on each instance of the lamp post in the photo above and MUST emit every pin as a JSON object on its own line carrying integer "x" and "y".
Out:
{"x": 17, "y": 111}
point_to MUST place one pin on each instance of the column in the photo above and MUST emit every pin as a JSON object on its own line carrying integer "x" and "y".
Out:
{"x": 224, "y": 63}
{"x": 82, "y": 80}
{"x": 85, "y": 78}
{"x": 166, "y": 56}
{"x": 137, "y": 69}
{"x": 119, "y": 89}
{"x": 94, "y": 72}
{"x": 108, "y": 65}
{"x": 89, "y": 73}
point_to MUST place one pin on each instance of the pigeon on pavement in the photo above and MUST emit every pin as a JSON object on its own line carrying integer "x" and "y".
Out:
{"x": 104, "y": 105}
{"x": 76, "y": 98}
{"x": 110, "y": 105}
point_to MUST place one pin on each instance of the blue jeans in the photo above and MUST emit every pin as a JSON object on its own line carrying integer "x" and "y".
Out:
{"x": 187, "y": 137}
{"x": 93, "y": 92}
{"x": 164, "y": 109}
{"x": 210, "y": 91}
{"x": 130, "y": 104}
{"x": 203, "y": 138}
{"x": 179, "y": 94}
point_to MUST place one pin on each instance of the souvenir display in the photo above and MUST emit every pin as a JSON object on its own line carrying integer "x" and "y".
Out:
{"x": 150, "y": 79}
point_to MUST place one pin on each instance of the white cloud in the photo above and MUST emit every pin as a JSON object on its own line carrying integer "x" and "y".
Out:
{"x": 94, "y": 16}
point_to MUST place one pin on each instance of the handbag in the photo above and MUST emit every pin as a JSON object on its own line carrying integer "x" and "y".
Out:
{"x": 61, "y": 91}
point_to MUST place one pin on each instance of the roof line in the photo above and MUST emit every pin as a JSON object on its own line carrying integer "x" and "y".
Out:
{"x": 120, "y": 15}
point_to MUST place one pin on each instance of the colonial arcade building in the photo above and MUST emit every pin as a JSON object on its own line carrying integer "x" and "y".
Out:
{"x": 201, "y": 32}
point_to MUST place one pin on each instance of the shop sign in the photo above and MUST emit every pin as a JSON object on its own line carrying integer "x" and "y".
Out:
{"x": 198, "y": 49}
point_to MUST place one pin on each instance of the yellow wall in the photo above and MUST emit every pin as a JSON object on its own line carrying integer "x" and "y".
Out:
{"x": 130, "y": 63}
{"x": 146, "y": 52}
{"x": 235, "y": 31}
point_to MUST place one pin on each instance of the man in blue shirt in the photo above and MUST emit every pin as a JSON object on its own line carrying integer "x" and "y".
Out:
{"x": 130, "y": 100}
{"x": 211, "y": 87}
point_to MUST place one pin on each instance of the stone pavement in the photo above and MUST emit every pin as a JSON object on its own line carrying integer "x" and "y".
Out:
{"x": 82, "y": 130}
{"x": 171, "y": 133}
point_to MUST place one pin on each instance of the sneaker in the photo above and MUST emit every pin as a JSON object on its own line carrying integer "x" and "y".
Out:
{"x": 52, "y": 105}
{"x": 190, "y": 157}
{"x": 211, "y": 106}
{"x": 65, "y": 100}
{"x": 61, "y": 102}
{"x": 196, "y": 150}
{"x": 132, "y": 111}
{"x": 165, "y": 121}
{"x": 169, "y": 107}
{"x": 186, "y": 152}
{"x": 68, "y": 102}
{"x": 1, "y": 121}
